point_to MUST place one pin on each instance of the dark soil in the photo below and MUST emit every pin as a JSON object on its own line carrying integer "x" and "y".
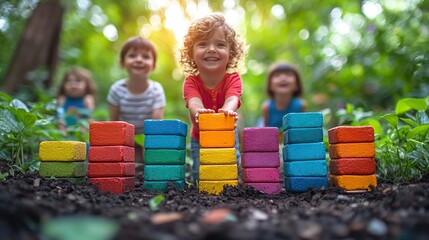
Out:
{"x": 390, "y": 211}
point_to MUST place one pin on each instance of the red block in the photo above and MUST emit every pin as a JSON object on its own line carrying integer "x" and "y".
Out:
{"x": 115, "y": 185}
{"x": 352, "y": 166}
{"x": 111, "y": 154}
{"x": 111, "y": 169}
{"x": 261, "y": 175}
{"x": 111, "y": 133}
{"x": 351, "y": 134}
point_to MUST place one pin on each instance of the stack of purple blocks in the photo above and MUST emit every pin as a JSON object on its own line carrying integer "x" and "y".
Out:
{"x": 260, "y": 160}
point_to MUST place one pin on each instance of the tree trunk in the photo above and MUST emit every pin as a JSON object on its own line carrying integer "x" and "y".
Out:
{"x": 36, "y": 55}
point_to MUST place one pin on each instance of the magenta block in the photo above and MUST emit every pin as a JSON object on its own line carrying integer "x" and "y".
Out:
{"x": 252, "y": 175}
{"x": 260, "y": 139}
{"x": 260, "y": 160}
{"x": 268, "y": 188}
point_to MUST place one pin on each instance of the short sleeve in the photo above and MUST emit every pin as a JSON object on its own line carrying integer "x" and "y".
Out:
{"x": 159, "y": 96}
{"x": 113, "y": 95}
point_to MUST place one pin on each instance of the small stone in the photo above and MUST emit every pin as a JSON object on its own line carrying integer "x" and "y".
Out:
{"x": 162, "y": 218}
{"x": 377, "y": 227}
{"x": 218, "y": 215}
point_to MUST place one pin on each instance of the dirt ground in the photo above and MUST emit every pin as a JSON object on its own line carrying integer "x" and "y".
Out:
{"x": 28, "y": 203}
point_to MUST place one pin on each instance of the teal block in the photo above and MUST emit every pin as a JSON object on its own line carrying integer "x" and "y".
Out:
{"x": 164, "y": 172}
{"x": 303, "y": 135}
{"x": 302, "y": 184}
{"x": 63, "y": 169}
{"x": 310, "y": 168}
{"x": 164, "y": 156}
{"x": 165, "y": 127}
{"x": 302, "y": 120}
{"x": 164, "y": 142}
{"x": 304, "y": 151}
{"x": 163, "y": 185}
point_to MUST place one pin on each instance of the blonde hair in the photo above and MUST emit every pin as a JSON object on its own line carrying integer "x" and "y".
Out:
{"x": 204, "y": 28}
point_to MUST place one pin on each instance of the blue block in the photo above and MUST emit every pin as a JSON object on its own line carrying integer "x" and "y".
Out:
{"x": 302, "y": 120}
{"x": 304, "y": 151}
{"x": 301, "y": 184}
{"x": 306, "y": 168}
{"x": 164, "y": 172}
{"x": 164, "y": 142}
{"x": 165, "y": 127}
{"x": 163, "y": 185}
{"x": 303, "y": 135}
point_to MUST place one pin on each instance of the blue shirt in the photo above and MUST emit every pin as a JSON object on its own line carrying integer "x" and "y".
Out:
{"x": 72, "y": 111}
{"x": 275, "y": 116}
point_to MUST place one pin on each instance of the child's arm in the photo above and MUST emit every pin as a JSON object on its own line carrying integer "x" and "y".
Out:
{"x": 89, "y": 102}
{"x": 265, "y": 113}
{"x": 196, "y": 106}
{"x": 230, "y": 106}
{"x": 158, "y": 113}
{"x": 114, "y": 112}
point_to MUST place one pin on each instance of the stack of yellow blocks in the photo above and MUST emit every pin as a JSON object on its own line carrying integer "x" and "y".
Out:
{"x": 218, "y": 165}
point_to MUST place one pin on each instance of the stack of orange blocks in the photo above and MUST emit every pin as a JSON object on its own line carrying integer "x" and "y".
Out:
{"x": 352, "y": 152}
{"x": 111, "y": 156}
{"x": 217, "y": 152}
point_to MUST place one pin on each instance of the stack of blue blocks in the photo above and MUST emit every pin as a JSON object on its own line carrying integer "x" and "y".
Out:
{"x": 165, "y": 154}
{"x": 304, "y": 153}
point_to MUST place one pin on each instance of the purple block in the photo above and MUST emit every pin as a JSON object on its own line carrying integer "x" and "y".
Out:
{"x": 268, "y": 188}
{"x": 261, "y": 175}
{"x": 261, "y": 139}
{"x": 260, "y": 159}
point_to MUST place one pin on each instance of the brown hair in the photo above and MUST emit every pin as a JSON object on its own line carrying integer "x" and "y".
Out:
{"x": 80, "y": 73}
{"x": 138, "y": 43}
{"x": 284, "y": 68}
{"x": 203, "y": 28}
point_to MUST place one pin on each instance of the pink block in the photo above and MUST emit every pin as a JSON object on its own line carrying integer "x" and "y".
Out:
{"x": 111, "y": 133}
{"x": 111, "y": 169}
{"x": 111, "y": 154}
{"x": 260, "y": 159}
{"x": 253, "y": 175}
{"x": 115, "y": 185}
{"x": 260, "y": 139}
{"x": 268, "y": 188}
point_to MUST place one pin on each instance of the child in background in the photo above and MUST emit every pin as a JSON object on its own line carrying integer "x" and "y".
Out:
{"x": 210, "y": 55}
{"x": 137, "y": 98}
{"x": 284, "y": 89}
{"x": 75, "y": 99}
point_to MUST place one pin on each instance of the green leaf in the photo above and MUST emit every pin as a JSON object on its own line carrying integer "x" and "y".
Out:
{"x": 139, "y": 139}
{"x": 8, "y": 121}
{"x": 406, "y": 104}
{"x": 18, "y": 104}
{"x": 5, "y": 97}
{"x": 374, "y": 123}
{"x": 392, "y": 119}
{"x": 409, "y": 121}
{"x": 155, "y": 202}
{"x": 423, "y": 129}
{"x": 29, "y": 120}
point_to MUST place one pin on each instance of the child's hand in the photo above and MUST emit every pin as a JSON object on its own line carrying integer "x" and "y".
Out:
{"x": 229, "y": 112}
{"x": 203, "y": 110}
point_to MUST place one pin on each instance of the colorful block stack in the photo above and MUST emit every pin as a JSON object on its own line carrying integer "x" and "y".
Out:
{"x": 352, "y": 151}
{"x": 218, "y": 164}
{"x": 63, "y": 160}
{"x": 304, "y": 153}
{"x": 111, "y": 156}
{"x": 261, "y": 159}
{"x": 165, "y": 154}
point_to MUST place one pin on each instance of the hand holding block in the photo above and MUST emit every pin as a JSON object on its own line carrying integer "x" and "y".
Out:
{"x": 111, "y": 133}
{"x": 64, "y": 151}
{"x": 111, "y": 154}
{"x": 216, "y": 122}
{"x": 260, "y": 139}
{"x": 165, "y": 127}
{"x": 352, "y": 150}
{"x": 351, "y": 134}
{"x": 302, "y": 120}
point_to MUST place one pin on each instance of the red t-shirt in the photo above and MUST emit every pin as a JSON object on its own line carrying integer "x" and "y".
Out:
{"x": 214, "y": 98}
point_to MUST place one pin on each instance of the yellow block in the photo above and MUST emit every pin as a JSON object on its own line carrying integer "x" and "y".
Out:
{"x": 218, "y": 172}
{"x": 354, "y": 150}
{"x": 354, "y": 182}
{"x": 217, "y": 139}
{"x": 216, "y": 122}
{"x": 66, "y": 151}
{"x": 216, "y": 156}
{"x": 215, "y": 187}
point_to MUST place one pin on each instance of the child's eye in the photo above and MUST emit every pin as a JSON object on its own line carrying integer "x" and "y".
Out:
{"x": 221, "y": 44}
{"x": 201, "y": 44}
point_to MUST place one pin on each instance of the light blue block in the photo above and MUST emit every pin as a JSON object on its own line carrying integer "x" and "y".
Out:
{"x": 164, "y": 142}
{"x": 163, "y": 185}
{"x": 302, "y": 120}
{"x": 304, "y": 151}
{"x": 164, "y": 172}
{"x": 303, "y": 135}
{"x": 301, "y": 184}
{"x": 315, "y": 168}
{"x": 165, "y": 127}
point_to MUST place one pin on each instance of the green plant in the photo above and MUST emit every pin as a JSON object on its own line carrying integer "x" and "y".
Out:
{"x": 155, "y": 202}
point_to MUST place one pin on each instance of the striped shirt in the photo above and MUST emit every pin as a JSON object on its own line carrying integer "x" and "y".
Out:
{"x": 135, "y": 108}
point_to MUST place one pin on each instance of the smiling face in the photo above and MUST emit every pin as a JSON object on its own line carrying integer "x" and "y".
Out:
{"x": 75, "y": 86}
{"x": 283, "y": 83}
{"x": 211, "y": 55}
{"x": 138, "y": 62}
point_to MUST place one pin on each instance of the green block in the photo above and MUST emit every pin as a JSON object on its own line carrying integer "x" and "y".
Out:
{"x": 164, "y": 156}
{"x": 164, "y": 172}
{"x": 162, "y": 185}
{"x": 63, "y": 169}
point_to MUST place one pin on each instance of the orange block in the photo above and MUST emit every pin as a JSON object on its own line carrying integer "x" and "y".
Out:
{"x": 352, "y": 150}
{"x": 351, "y": 134}
{"x": 216, "y": 122}
{"x": 354, "y": 182}
{"x": 217, "y": 139}
{"x": 352, "y": 166}
{"x": 111, "y": 133}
